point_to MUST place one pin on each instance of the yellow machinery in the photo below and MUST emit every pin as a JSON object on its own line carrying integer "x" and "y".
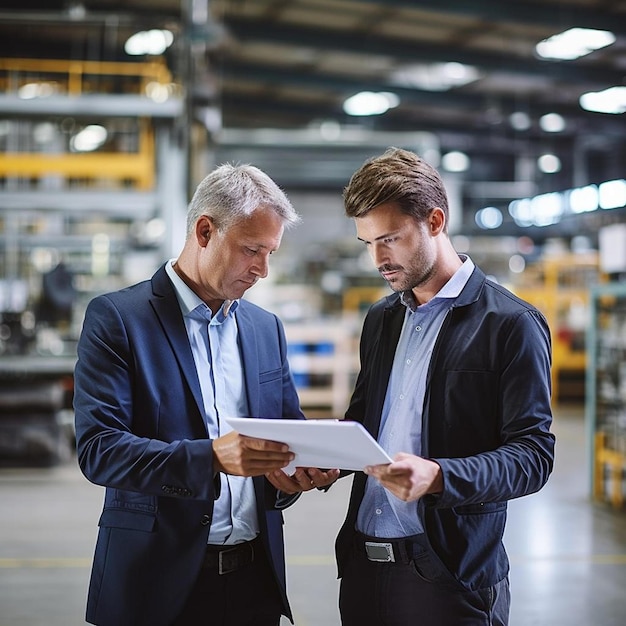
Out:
{"x": 559, "y": 287}
{"x": 78, "y": 78}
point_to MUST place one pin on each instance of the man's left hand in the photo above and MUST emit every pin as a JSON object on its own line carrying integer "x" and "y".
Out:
{"x": 303, "y": 479}
{"x": 409, "y": 477}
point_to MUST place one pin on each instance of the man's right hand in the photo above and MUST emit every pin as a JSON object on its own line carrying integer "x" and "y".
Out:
{"x": 247, "y": 456}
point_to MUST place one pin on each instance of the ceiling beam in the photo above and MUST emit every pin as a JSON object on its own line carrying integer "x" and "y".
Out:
{"x": 412, "y": 51}
{"x": 544, "y": 13}
{"x": 345, "y": 86}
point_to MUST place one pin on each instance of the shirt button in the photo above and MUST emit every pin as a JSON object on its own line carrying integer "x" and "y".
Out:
{"x": 401, "y": 396}
{"x": 379, "y": 511}
{"x": 418, "y": 328}
{"x": 408, "y": 361}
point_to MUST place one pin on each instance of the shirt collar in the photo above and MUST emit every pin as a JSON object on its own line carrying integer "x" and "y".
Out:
{"x": 189, "y": 300}
{"x": 451, "y": 289}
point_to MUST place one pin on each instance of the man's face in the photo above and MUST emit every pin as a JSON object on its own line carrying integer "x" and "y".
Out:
{"x": 402, "y": 248}
{"x": 234, "y": 260}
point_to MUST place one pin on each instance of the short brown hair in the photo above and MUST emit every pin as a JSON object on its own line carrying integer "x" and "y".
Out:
{"x": 396, "y": 176}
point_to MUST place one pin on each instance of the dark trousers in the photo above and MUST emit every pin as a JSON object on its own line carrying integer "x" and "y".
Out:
{"x": 245, "y": 597}
{"x": 395, "y": 594}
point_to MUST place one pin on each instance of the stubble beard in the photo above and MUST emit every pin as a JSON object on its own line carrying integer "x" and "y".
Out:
{"x": 412, "y": 277}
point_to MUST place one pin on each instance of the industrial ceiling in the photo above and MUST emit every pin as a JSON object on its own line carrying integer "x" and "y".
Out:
{"x": 267, "y": 74}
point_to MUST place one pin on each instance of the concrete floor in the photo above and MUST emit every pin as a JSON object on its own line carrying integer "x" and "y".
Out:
{"x": 568, "y": 554}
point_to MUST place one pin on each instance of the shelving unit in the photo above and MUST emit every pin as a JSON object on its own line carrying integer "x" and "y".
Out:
{"x": 323, "y": 357}
{"x": 606, "y": 392}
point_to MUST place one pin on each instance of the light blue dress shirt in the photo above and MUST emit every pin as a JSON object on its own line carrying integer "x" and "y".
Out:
{"x": 215, "y": 348}
{"x": 382, "y": 514}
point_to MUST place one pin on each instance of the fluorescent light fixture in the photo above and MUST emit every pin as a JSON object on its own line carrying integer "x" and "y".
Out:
{"x": 157, "y": 92}
{"x": 583, "y": 199}
{"x": 435, "y": 76}
{"x": 370, "y": 103}
{"x": 488, "y": 218}
{"x": 574, "y": 43}
{"x": 520, "y": 120}
{"x": 153, "y": 42}
{"x": 611, "y": 100}
{"x": 541, "y": 210}
{"x": 520, "y": 211}
{"x": 612, "y": 194}
{"x": 547, "y": 209}
{"x": 29, "y": 91}
{"x": 552, "y": 123}
{"x": 89, "y": 138}
{"x": 455, "y": 161}
{"x": 549, "y": 163}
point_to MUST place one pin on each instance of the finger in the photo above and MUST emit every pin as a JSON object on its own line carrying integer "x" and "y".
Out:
{"x": 377, "y": 471}
{"x": 280, "y": 480}
{"x": 301, "y": 476}
{"x": 284, "y": 483}
{"x": 323, "y": 479}
{"x": 253, "y": 443}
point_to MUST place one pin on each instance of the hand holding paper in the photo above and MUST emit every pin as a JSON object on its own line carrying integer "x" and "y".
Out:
{"x": 321, "y": 443}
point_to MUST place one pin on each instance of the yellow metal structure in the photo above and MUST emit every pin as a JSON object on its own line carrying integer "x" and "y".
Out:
{"x": 75, "y": 78}
{"x": 559, "y": 287}
{"x": 72, "y": 74}
{"x": 133, "y": 168}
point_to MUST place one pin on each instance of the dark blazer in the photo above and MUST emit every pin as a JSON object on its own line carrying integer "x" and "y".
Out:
{"x": 486, "y": 421}
{"x": 141, "y": 433}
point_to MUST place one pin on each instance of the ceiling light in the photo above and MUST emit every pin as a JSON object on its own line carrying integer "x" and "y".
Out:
{"x": 547, "y": 209}
{"x": 435, "y": 76}
{"x": 153, "y": 42}
{"x": 157, "y": 92}
{"x": 29, "y": 91}
{"x": 89, "y": 138}
{"x": 455, "y": 161}
{"x": 583, "y": 199}
{"x": 574, "y": 43}
{"x": 612, "y": 194}
{"x": 549, "y": 163}
{"x": 488, "y": 218}
{"x": 370, "y": 103}
{"x": 611, "y": 100}
{"x": 552, "y": 123}
{"x": 520, "y": 120}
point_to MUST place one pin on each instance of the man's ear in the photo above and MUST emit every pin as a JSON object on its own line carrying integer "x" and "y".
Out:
{"x": 205, "y": 227}
{"x": 437, "y": 221}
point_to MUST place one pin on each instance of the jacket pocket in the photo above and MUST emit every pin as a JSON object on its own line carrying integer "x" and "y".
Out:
{"x": 129, "y": 520}
{"x": 482, "y": 508}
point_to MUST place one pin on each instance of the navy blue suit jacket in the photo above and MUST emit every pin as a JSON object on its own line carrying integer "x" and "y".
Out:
{"x": 141, "y": 433}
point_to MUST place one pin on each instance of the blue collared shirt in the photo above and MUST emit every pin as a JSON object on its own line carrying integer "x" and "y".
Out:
{"x": 215, "y": 349}
{"x": 381, "y": 514}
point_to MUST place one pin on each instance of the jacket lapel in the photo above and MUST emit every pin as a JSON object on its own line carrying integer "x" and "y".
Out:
{"x": 387, "y": 342}
{"x": 246, "y": 334}
{"x": 167, "y": 309}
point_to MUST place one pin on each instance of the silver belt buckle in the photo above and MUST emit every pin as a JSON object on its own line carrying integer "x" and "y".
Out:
{"x": 379, "y": 552}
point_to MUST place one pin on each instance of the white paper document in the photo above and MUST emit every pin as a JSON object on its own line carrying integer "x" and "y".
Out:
{"x": 323, "y": 443}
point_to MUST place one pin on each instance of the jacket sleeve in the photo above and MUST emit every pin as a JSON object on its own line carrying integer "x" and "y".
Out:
{"x": 117, "y": 435}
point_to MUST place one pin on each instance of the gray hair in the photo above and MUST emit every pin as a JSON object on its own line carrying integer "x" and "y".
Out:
{"x": 396, "y": 176}
{"x": 231, "y": 193}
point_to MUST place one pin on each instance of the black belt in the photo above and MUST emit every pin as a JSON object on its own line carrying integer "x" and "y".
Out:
{"x": 380, "y": 550}
{"x": 226, "y": 559}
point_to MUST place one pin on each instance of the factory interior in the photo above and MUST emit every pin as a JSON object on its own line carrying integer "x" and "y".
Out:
{"x": 111, "y": 113}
